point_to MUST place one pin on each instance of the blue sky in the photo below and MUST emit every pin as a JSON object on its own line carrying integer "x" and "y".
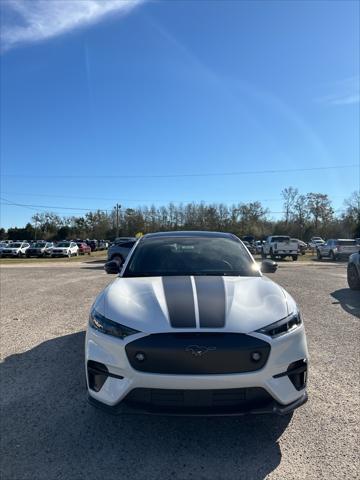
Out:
{"x": 96, "y": 89}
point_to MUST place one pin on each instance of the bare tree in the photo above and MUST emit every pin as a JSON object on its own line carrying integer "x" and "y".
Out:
{"x": 289, "y": 196}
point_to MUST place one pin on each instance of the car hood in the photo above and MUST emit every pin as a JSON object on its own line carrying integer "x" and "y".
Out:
{"x": 157, "y": 304}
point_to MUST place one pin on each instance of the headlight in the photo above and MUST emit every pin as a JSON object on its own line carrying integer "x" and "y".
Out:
{"x": 285, "y": 325}
{"x": 107, "y": 326}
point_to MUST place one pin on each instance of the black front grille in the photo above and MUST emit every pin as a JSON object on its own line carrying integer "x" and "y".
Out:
{"x": 198, "y": 353}
{"x": 195, "y": 401}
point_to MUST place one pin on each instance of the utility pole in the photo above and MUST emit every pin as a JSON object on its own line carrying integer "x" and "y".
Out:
{"x": 117, "y": 209}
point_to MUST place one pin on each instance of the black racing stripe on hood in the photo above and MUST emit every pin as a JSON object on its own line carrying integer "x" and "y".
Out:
{"x": 211, "y": 301}
{"x": 180, "y": 301}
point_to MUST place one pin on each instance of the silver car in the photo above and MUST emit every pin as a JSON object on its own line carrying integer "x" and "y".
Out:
{"x": 353, "y": 271}
{"x": 337, "y": 248}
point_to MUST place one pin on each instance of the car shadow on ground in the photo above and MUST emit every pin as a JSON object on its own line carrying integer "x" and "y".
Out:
{"x": 349, "y": 300}
{"x": 50, "y": 431}
{"x": 93, "y": 264}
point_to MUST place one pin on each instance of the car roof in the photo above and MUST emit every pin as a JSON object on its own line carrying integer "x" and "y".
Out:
{"x": 191, "y": 233}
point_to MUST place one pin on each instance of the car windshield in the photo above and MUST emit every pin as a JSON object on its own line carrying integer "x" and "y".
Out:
{"x": 63, "y": 244}
{"x": 190, "y": 256}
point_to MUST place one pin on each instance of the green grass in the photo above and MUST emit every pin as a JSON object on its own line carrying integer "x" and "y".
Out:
{"x": 102, "y": 255}
{"x": 301, "y": 258}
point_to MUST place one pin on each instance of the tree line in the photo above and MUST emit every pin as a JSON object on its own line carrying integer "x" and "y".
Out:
{"x": 303, "y": 216}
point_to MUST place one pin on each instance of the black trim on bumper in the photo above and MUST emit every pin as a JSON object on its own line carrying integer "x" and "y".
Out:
{"x": 198, "y": 353}
{"x": 274, "y": 408}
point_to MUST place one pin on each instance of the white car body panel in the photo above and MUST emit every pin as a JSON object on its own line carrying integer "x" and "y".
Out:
{"x": 142, "y": 303}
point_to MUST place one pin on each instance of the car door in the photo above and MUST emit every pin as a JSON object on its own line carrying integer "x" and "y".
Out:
{"x": 327, "y": 247}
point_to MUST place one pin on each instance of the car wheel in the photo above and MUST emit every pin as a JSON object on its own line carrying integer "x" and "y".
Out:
{"x": 318, "y": 254}
{"x": 272, "y": 256}
{"x": 294, "y": 257}
{"x": 118, "y": 258}
{"x": 353, "y": 277}
{"x": 332, "y": 255}
{"x": 19, "y": 255}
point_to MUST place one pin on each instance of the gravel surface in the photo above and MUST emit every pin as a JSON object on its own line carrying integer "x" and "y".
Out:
{"x": 48, "y": 431}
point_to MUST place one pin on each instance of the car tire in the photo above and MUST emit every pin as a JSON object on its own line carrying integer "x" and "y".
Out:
{"x": 353, "y": 277}
{"x": 318, "y": 254}
{"x": 332, "y": 256}
{"x": 294, "y": 257}
{"x": 19, "y": 255}
{"x": 118, "y": 258}
{"x": 272, "y": 256}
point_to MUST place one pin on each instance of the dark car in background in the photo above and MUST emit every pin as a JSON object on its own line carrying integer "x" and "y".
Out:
{"x": 353, "y": 271}
{"x": 39, "y": 249}
{"x": 250, "y": 246}
{"x": 93, "y": 244}
{"x": 120, "y": 248}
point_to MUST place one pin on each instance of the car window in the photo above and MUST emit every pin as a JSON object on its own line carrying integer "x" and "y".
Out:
{"x": 347, "y": 242}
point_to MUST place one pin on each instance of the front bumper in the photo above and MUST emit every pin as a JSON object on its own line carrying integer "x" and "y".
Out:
{"x": 123, "y": 408}
{"x": 122, "y": 378}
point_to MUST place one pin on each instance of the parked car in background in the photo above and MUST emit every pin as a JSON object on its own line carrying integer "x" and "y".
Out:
{"x": 102, "y": 245}
{"x": 353, "y": 271}
{"x": 258, "y": 245}
{"x": 250, "y": 247}
{"x": 65, "y": 249}
{"x": 315, "y": 242}
{"x": 83, "y": 248}
{"x": 249, "y": 238}
{"x": 15, "y": 249}
{"x": 302, "y": 246}
{"x": 120, "y": 248}
{"x": 280, "y": 246}
{"x": 93, "y": 244}
{"x": 40, "y": 249}
{"x": 337, "y": 248}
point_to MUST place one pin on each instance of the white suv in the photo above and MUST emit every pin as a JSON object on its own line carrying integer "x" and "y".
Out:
{"x": 15, "y": 249}
{"x": 65, "y": 249}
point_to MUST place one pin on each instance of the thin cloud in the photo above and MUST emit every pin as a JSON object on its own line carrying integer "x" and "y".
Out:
{"x": 345, "y": 92}
{"x": 25, "y": 21}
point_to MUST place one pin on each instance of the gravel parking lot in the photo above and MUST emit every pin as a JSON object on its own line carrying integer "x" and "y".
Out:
{"x": 48, "y": 431}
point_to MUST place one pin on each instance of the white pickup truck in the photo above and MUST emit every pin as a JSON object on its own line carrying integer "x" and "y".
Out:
{"x": 280, "y": 246}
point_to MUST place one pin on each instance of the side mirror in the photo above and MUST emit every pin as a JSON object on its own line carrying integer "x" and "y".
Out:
{"x": 112, "y": 267}
{"x": 268, "y": 266}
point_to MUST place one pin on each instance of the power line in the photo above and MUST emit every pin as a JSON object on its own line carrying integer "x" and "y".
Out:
{"x": 277, "y": 199}
{"x": 25, "y": 205}
{"x": 188, "y": 175}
